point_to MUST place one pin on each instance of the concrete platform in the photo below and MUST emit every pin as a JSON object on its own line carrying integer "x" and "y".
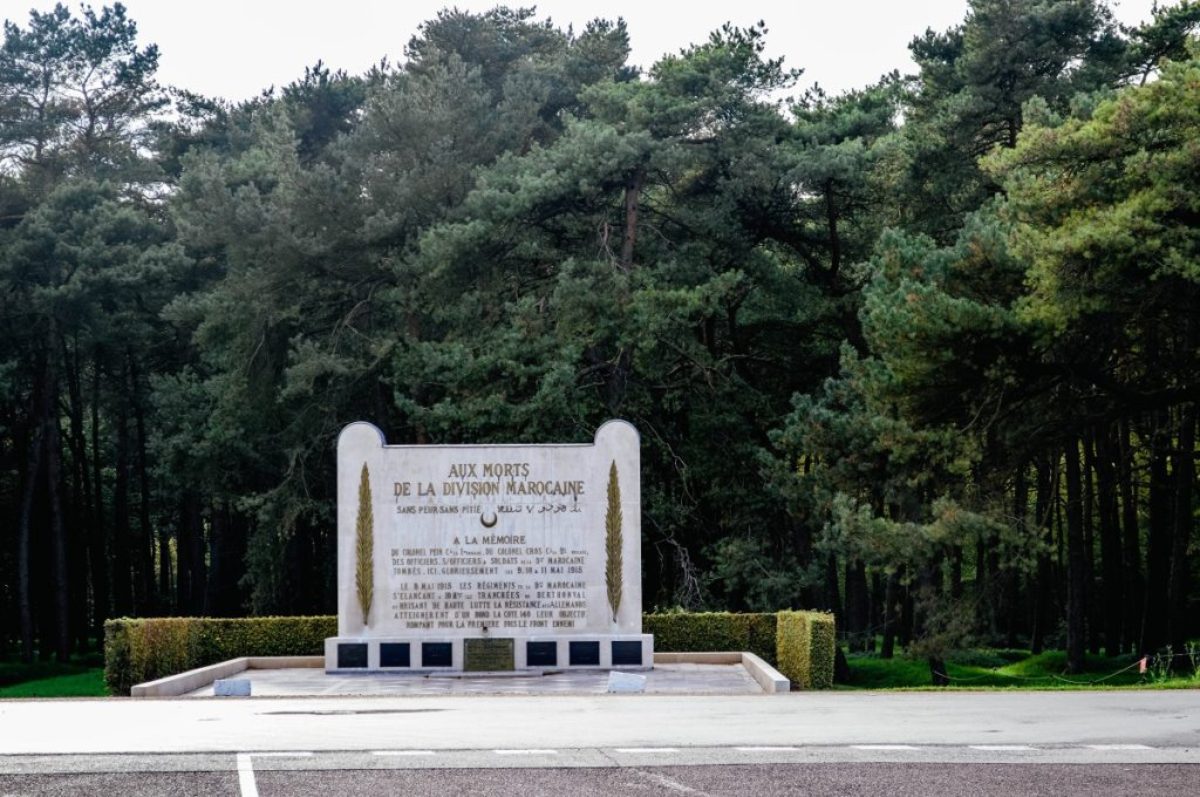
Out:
{"x": 664, "y": 679}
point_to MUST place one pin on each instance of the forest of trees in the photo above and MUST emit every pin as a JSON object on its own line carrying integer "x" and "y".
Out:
{"x": 926, "y": 354}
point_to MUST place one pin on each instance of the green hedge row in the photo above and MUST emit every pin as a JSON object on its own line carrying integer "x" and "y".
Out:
{"x": 139, "y": 650}
{"x": 807, "y": 647}
{"x": 800, "y": 644}
{"x": 686, "y": 632}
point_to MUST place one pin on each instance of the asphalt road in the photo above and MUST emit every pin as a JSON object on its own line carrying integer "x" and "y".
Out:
{"x": 764, "y": 780}
{"x": 839, "y": 743}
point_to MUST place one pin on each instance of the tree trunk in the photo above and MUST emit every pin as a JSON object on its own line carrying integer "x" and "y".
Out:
{"x": 227, "y": 554}
{"x": 633, "y": 190}
{"x": 833, "y": 598}
{"x": 981, "y": 591}
{"x": 122, "y": 572}
{"x": 1009, "y": 578}
{"x": 1089, "y": 548}
{"x": 189, "y": 598}
{"x": 1131, "y": 546}
{"x": 81, "y": 496}
{"x": 58, "y": 540}
{"x": 199, "y": 566}
{"x": 1076, "y": 564}
{"x": 931, "y": 595}
{"x": 1158, "y": 548}
{"x": 889, "y": 616}
{"x": 907, "y": 618}
{"x": 956, "y": 572}
{"x": 1110, "y": 542}
{"x": 835, "y": 239}
{"x": 1042, "y": 504}
{"x": 875, "y": 604}
{"x": 24, "y": 548}
{"x": 98, "y": 544}
{"x": 857, "y": 615}
{"x": 1184, "y": 475}
{"x": 145, "y": 547}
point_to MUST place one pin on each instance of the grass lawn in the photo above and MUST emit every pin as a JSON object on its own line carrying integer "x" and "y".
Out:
{"x": 82, "y": 676}
{"x": 1005, "y": 669}
{"x": 89, "y": 683}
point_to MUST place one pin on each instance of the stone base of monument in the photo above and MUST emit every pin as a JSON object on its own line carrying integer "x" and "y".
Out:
{"x": 490, "y": 654}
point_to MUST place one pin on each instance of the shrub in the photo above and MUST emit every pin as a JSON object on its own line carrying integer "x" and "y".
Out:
{"x": 801, "y": 644}
{"x": 687, "y": 632}
{"x": 806, "y": 645}
{"x": 138, "y": 650}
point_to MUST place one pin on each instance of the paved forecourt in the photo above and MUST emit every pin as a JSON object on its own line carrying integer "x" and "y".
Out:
{"x": 919, "y": 744}
{"x": 674, "y": 678}
{"x": 1112, "y": 721}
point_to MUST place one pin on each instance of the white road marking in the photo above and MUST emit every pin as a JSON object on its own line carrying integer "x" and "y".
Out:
{"x": 647, "y": 749}
{"x": 402, "y": 752}
{"x": 883, "y": 747}
{"x": 1002, "y": 748}
{"x": 768, "y": 749}
{"x": 531, "y": 751}
{"x": 1118, "y": 747}
{"x": 245, "y": 770}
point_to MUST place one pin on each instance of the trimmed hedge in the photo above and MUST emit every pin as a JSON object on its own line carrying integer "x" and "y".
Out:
{"x": 685, "y": 632}
{"x": 139, "y": 650}
{"x": 807, "y": 647}
{"x": 800, "y": 644}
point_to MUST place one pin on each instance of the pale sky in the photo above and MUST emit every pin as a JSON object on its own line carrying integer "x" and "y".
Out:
{"x": 236, "y": 48}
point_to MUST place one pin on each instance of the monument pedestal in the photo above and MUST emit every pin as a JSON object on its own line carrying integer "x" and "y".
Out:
{"x": 530, "y": 653}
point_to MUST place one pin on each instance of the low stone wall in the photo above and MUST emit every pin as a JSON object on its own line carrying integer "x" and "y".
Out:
{"x": 770, "y": 679}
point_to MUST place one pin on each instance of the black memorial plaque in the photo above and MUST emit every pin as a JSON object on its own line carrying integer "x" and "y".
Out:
{"x": 488, "y": 655}
{"x": 393, "y": 654}
{"x": 437, "y": 654}
{"x": 585, "y": 654}
{"x": 351, "y": 655}
{"x": 541, "y": 654}
{"x": 627, "y": 654}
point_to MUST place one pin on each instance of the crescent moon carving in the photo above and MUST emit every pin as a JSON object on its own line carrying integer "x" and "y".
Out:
{"x": 487, "y": 524}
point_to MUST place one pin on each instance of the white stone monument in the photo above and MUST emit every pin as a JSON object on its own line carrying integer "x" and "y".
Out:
{"x": 489, "y": 557}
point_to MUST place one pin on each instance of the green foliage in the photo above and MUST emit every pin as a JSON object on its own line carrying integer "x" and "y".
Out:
{"x": 77, "y": 96}
{"x": 712, "y": 631}
{"x": 140, "y": 650}
{"x": 851, "y": 344}
{"x": 748, "y": 572}
{"x": 975, "y": 80}
{"x": 1121, "y": 217}
{"x": 807, "y": 646}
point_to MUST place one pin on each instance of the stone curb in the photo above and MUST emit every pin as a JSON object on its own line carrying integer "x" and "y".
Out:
{"x": 190, "y": 681}
{"x": 770, "y": 679}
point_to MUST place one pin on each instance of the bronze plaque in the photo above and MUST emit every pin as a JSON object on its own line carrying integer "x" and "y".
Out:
{"x": 488, "y": 655}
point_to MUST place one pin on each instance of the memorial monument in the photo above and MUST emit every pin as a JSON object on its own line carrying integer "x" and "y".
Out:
{"x": 489, "y": 557}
